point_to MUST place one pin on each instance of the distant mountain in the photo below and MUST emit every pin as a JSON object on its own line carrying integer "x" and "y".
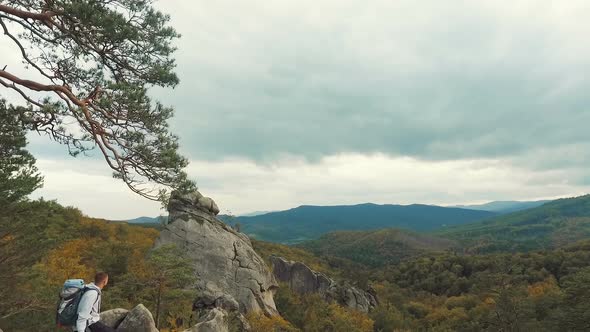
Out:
{"x": 255, "y": 213}
{"x": 145, "y": 220}
{"x": 156, "y": 220}
{"x": 309, "y": 222}
{"x": 376, "y": 248}
{"x": 554, "y": 224}
{"x": 503, "y": 207}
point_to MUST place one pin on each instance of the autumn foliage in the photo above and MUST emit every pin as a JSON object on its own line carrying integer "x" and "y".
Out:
{"x": 44, "y": 243}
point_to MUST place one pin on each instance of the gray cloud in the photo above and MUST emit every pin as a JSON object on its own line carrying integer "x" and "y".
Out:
{"x": 284, "y": 103}
{"x": 428, "y": 80}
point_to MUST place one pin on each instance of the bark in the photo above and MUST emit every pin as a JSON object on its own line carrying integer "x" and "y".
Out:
{"x": 43, "y": 17}
{"x": 158, "y": 305}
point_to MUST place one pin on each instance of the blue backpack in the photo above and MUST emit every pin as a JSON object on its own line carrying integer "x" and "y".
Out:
{"x": 69, "y": 299}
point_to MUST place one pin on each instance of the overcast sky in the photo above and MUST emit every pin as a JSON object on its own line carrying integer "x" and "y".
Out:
{"x": 284, "y": 103}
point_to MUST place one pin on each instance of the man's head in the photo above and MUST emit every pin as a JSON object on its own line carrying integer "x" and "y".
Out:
{"x": 101, "y": 279}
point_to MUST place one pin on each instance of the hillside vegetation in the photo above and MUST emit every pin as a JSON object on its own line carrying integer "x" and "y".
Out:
{"x": 310, "y": 222}
{"x": 537, "y": 291}
{"x": 43, "y": 243}
{"x": 552, "y": 225}
{"x": 376, "y": 248}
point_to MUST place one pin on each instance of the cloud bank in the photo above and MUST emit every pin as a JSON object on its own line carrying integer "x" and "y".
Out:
{"x": 284, "y": 103}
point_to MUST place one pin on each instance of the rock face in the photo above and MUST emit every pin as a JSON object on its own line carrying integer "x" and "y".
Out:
{"x": 219, "y": 320}
{"x": 113, "y": 317}
{"x": 139, "y": 319}
{"x": 214, "y": 321}
{"x": 303, "y": 280}
{"x": 230, "y": 275}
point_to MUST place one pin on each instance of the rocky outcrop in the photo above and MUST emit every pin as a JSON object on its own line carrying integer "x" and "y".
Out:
{"x": 230, "y": 275}
{"x": 114, "y": 317}
{"x": 180, "y": 204}
{"x": 303, "y": 280}
{"x": 139, "y": 319}
{"x": 214, "y": 321}
{"x": 219, "y": 320}
{"x": 351, "y": 297}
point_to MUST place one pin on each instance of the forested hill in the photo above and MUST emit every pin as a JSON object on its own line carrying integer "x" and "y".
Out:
{"x": 43, "y": 243}
{"x": 551, "y": 225}
{"x": 376, "y": 248}
{"x": 310, "y": 222}
{"x": 504, "y": 207}
{"x": 537, "y": 291}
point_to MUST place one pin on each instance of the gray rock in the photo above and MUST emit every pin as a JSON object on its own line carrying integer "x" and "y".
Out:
{"x": 208, "y": 204}
{"x": 219, "y": 320}
{"x": 209, "y": 301}
{"x": 351, "y": 297}
{"x": 113, "y": 317}
{"x": 183, "y": 203}
{"x": 229, "y": 273}
{"x": 303, "y": 280}
{"x": 214, "y": 321}
{"x": 139, "y": 319}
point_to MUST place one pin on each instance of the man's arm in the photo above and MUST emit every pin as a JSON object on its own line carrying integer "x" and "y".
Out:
{"x": 84, "y": 308}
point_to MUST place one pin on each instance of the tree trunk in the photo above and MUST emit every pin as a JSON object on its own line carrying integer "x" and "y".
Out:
{"x": 158, "y": 305}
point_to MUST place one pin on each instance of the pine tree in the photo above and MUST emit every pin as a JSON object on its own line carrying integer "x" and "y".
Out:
{"x": 18, "y": 174}
{"x": 88, "y": 67}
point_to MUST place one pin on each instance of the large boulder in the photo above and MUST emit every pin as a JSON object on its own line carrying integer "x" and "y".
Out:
{"x": 303, "y": 280}
{"x": 230, "y": 275}
{"x": 194, "y": 200}
{"x": 138, "y": 319}
{"x": 113, "y": 317}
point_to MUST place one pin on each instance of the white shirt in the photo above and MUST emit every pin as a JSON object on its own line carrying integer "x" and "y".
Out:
{"x": 89, "y": 308}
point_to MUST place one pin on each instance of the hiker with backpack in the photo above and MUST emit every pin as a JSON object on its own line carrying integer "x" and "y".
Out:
{"x": 79, "y": 305}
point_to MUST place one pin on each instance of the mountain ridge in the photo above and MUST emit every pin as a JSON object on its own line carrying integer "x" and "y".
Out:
{"x": 308, "y": 222}
{"x": 551, "y": 225}
{"x": 504, "y": 207}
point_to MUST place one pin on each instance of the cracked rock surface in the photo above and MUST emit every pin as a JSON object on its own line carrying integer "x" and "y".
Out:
{"x": 138, "y": 319}
{"x": 303, "y": 280}
{"x": 230, "y": 273}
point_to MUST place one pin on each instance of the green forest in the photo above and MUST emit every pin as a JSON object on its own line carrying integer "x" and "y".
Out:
{"x": 447, "y": 291}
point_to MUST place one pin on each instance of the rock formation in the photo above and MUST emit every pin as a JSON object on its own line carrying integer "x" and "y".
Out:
{"x": 303, "y": 280}
{"x": 214, "y": 321}
{"x": 113, "y": 317}
{"x": 230, "y": 275}
{"x": 138, "y": 319}
{"x": 219, "y": 320}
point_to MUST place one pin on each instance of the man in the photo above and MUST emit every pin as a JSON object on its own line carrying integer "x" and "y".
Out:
{"x": 89, "y": 307}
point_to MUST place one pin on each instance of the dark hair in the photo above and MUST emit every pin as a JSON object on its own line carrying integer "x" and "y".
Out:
{"x": 100, "y": 277}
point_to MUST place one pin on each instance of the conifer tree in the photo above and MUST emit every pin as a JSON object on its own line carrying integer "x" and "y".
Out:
{"x": 88, "y": 65}
{"x": 18, "y": 174}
